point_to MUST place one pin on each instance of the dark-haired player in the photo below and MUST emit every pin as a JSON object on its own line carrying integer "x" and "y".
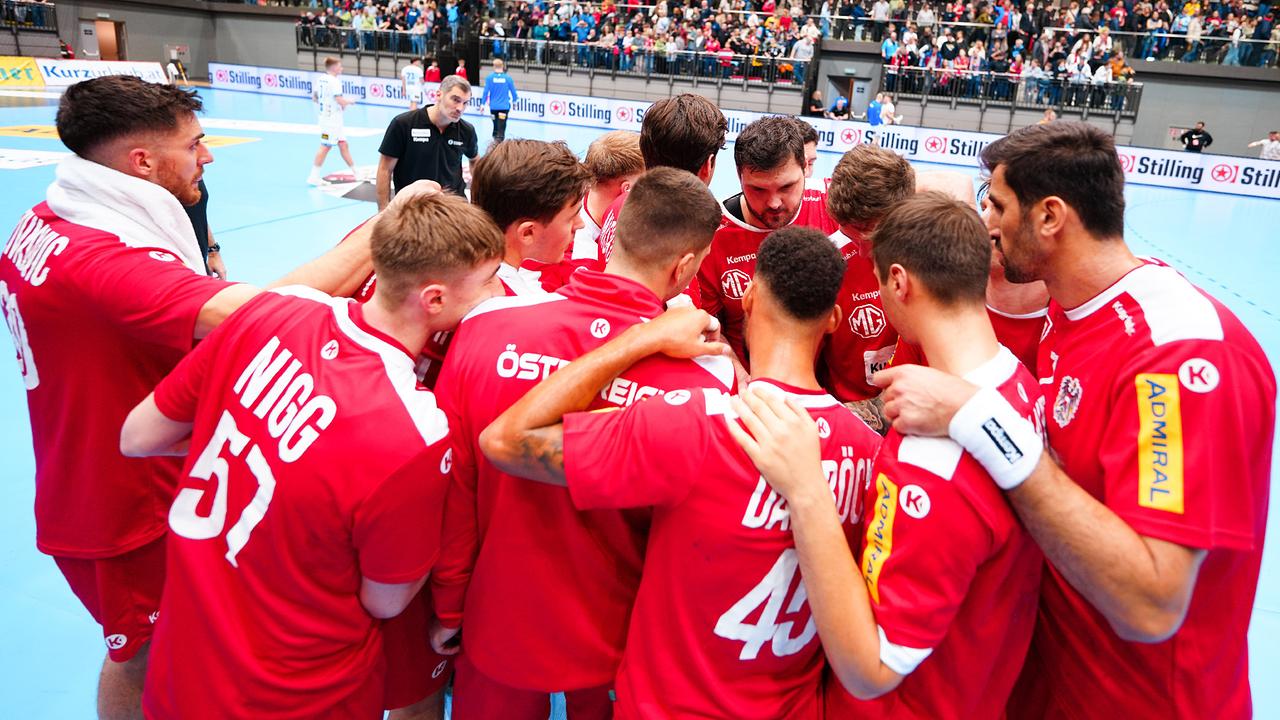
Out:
{"x": 1153, "y": 506}
{"x": 575, "y": 573}
{"x": 769, "y": 154}
{"x": 110, "y": 262}
{"x": 943, "y": 553}
{"x": 683, "y": 132}
{"x": 721, "y": 627}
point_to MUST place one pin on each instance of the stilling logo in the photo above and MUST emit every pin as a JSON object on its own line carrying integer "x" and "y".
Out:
{"x": 625, "y": 114}
{"x": 376, "y": 90}
{"x": 557, "y": 107}
{"x": 271, "y": 80}
{"x": 850, "y": 136}
{"x": 221, "y": 76}
{"x": 935, "y": 144}
{"x": 1126, "y": 162}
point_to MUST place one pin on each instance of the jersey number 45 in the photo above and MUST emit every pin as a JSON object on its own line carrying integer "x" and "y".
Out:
{"x": 771, "y": 595}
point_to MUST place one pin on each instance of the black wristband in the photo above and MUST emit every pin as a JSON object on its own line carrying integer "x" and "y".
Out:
{"x": 215, "y": 247}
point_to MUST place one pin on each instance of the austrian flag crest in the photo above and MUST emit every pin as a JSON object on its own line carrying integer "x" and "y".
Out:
{"x": 1067, "y": 402}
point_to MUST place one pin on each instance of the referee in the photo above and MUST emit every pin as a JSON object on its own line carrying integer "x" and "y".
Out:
{"x": 428, "y": 143}
{"x": 499, "y": 94}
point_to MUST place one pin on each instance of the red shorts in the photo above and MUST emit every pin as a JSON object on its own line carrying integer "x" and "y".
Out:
{"x": 477, "y": 696}
{"x": 414, "y": 670}
{"x": 122, "y": 593}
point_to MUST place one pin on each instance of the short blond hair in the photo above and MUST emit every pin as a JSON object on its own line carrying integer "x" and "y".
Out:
{"x": 867, "y": 183}
{"x": 614, "y": 155}
{"x": 430, "y": 238}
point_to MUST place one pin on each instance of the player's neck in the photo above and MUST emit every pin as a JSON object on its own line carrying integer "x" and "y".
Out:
{"x": 403, "y": 324}
{"x": 1085, "y": 267}
{"x": 598, "y": 201}
{"x": 433, "y": 114}
{"x": 1015, "y": 298}
{"x": 654, "y": 282}
{"x": 784, "y": 352}
{"x": 956, "y": 340}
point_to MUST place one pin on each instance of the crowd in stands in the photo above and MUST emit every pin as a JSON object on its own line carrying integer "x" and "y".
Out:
{"x": 27, "y": 14}
{"x": 1232, "y": 33}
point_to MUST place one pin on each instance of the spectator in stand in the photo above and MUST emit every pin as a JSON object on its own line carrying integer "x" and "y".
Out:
{"x": 815, "y": 108}
{"x": 1196, "y": 139}
{"x": 839, "y": 109}
{"x": 432, "y": 73}
{"x": 1270, "y": 146}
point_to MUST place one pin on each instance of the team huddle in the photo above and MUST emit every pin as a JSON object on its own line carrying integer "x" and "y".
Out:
{"x": 856, "y": 447}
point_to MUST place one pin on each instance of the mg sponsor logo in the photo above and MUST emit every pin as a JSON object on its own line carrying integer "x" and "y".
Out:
{"x": 734, "y": 283}
{"x": 1127, "y": 162}
{"x": 867, "y": 320}
{"x": 1224, "y": 173}
{"x": 935, "y": 144}
{"x": 557, "y": 107}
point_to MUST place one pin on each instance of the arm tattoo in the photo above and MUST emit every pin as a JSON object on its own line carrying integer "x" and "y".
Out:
{"x": 872, "y": 413}
{"x": 541, "y": 453}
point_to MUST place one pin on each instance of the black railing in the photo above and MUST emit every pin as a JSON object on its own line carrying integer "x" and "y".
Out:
{"x": 27, "y": 15}
{"x": 665, "y": 65}
{"x": 987, "y": 89}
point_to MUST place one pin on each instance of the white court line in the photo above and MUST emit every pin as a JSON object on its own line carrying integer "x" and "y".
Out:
{"x": 280, "y": 127}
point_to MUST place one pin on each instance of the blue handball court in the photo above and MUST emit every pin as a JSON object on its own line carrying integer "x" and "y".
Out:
{"x": 268, "y": 220}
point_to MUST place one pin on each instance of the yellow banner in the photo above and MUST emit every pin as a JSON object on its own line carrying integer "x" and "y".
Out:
{"x": 49, "y": 132}
{"x": 20, "y": 72}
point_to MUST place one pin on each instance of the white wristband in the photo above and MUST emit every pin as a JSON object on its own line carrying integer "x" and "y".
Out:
{"x": 1004, "y": 442}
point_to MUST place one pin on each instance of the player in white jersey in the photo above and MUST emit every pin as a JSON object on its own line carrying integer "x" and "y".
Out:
{"x": 411, "y": 82}
{"x": 328, "y": 94}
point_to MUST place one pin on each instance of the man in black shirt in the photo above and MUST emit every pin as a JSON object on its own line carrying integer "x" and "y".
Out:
{"x": 1196, "y": 139}
{"x": 428, "y": 143}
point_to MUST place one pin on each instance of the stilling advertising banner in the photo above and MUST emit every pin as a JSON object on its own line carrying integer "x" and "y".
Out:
{"x": 20, "y": 72}
{"x": 1142, "y": 166}
{"x": 65, "y": 73}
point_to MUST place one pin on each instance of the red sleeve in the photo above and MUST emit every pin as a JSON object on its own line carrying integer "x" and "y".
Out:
{"x": 452, "y": 572}
{"x": 1178, "y": 454}
{"x": 650, "y": 453}
{"x": 148, "y": 293}
{"x": 918, "y": 569}
{"x": 180, "y": 390}
{"x": 397, "y": 527}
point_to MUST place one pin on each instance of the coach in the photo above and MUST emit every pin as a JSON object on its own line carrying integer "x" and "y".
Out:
{"x": 428, "y": 143}
{"x": 104, "y": 290}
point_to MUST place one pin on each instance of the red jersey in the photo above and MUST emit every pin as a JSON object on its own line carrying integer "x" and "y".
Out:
{"x": 729, "y": 267}
{"x": 1162, "y": 407}
{"x": 96, "y": 324}
{"x": 943, "y": 556}
{"x": 863, "y": 342}
{"x": 721, "y": 626}
{"x": 609, "y": 228}
{"x": 575, "y": 573}
{"x": 315, "y": 461}
{"x": 1020, "y": 333}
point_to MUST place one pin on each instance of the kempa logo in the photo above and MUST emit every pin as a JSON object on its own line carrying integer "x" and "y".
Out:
{"x": 116, "y": 641}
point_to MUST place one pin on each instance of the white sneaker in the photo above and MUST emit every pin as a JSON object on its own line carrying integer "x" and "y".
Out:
{"x": 315, "y": 179}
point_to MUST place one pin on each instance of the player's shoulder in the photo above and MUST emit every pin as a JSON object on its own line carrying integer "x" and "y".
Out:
{"x": 1171, "y": 309}
{"x": 509, "y": 307}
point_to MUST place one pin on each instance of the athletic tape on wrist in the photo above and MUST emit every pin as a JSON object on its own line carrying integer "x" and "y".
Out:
{"x": 1004, "y": 442}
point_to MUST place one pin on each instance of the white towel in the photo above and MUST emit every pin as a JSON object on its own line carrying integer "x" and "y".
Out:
{"x": 140, "y": 213}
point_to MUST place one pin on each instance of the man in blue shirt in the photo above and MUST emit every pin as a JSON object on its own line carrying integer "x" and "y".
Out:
{"x": 873, "y": 110}
{"x": 499, "y": 94}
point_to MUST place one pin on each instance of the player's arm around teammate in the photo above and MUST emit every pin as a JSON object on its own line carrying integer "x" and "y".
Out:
{"x": 528, "y": 439}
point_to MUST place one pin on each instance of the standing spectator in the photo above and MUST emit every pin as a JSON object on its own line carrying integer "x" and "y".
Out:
{"x": 499, "y": 94}
{"x": 461, "y": 70}
{"x": 879, "y": 19}
{"x": 1270, "y": 146}
{"x": 432, "y": 73}
{"x": 428, "y": 144}
{"x": 1196, "y": 139}
{"x": 815, "y": 108}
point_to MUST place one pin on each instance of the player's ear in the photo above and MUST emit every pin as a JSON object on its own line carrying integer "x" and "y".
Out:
{"x": 749, "y": 298}
{"x": 432, "y": 298}
{"x": 899, "y": 282}
{"x": 1052, "y": 213}
{"x": 833, "y": 321}
{"x": 141, "y": 163}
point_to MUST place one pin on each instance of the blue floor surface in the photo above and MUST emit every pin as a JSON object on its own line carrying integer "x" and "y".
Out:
{"x": 268, "y": 220}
